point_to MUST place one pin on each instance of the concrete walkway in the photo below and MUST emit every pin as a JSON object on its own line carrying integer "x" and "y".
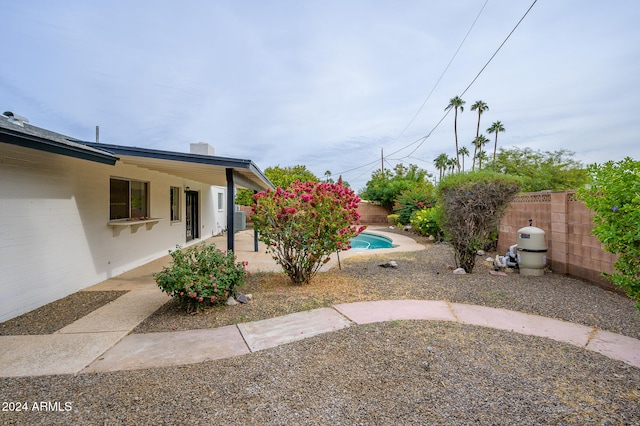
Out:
{"x": 101, "y": 341}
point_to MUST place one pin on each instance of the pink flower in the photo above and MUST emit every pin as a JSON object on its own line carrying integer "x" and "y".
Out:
{"x": 200, "y": 300}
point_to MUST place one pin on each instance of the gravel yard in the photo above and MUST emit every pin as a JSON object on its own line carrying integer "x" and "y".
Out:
{"x": 399, "y": 372}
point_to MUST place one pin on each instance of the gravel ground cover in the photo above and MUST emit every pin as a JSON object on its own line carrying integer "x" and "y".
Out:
{"x": 56, "y": 315}
{"x": 399, "y": 372}
{"x": 395, "y": 373}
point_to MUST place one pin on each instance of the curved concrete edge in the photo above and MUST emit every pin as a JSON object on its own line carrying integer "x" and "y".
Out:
{"x": 188, "y": 347}
{"x": 609, "y": 344}
{"x": 112, "y": 351}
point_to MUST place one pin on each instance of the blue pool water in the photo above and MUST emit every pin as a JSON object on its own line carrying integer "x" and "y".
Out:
{"x": 367, "y": 241}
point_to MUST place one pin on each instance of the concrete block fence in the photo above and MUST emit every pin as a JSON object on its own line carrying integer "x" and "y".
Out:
{"x": 567, "y": 224}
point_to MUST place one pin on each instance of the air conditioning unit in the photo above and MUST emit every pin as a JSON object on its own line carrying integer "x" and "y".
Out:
{"x": 239, "y": 221}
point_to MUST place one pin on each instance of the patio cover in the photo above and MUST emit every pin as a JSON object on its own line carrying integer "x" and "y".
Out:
{"x": 209, "y": 169}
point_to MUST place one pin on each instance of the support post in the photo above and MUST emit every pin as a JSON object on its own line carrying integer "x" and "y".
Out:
{"x": 230, "y": 208}
{"x": 255, "y": 233}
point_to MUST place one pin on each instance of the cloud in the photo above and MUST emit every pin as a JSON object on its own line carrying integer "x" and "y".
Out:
{"x": 326, "y": 84}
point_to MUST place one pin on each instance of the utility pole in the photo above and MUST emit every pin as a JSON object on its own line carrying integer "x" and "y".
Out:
{"x": 382, "y": 159}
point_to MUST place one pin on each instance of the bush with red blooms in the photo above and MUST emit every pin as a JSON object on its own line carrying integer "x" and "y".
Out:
{"x": 305, "y": 223}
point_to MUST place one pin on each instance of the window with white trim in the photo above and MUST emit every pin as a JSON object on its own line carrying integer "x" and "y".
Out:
{"x": 129, "y": 199}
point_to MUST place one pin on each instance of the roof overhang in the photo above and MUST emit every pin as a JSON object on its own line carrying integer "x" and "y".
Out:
{"x": 29, "y": 137}
{"x": 197, "y": 167}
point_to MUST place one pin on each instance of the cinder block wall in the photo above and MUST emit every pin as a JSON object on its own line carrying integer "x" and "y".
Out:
{"x": 372, "y": 213}
{"x": 567, "y": 224}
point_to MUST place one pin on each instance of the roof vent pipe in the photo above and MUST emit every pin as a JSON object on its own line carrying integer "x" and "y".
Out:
{"x": 15, "y": 118}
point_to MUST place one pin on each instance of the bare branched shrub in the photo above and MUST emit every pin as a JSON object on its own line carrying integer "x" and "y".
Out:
{"x": 472, "y": 206}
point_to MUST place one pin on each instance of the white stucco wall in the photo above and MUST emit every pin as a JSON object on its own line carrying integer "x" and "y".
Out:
{"x": 54, "y": 237}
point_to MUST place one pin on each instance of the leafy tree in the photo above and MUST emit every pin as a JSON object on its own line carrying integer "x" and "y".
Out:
{"x": 385, "y": 187}
{"x": 556, "y": 171}
{"x": 472, "y": 205}
{"x": 481, "y": 107}
{"x": 280, "y": 177}
{"x": 614, "y": 196}
{"x": 496, "y": 128}
{"x": 284, "y": 176}
{"x": 456, "y": 103}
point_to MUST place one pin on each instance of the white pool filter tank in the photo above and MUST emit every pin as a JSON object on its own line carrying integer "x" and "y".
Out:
{"x": 532, "y": 250}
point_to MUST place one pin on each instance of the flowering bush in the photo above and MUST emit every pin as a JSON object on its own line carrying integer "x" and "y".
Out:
{"x": 412, "y": 199}
{"x": 201, "y": 276}
{"x": 614, "y": 197}
{"x": 426, "y": 222}
{"x": 304, "y": 224}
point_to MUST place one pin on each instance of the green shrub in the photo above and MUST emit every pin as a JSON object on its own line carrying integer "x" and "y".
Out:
{"x": 412, "y": 199}
{"x": 614, "y": 196}
{"x": 426, "y": 222}
{"x": 201, "y": 276}
{"x": 393, "y": 219}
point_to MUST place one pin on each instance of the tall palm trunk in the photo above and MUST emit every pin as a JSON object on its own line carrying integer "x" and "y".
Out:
{"x": 455, "y": 131}
{"x": 475, "y": 145}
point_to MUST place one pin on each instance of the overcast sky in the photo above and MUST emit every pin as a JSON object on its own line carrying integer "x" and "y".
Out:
{"x": 327, "y": 83}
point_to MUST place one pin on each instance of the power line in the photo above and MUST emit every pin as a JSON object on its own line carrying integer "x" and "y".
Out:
{"x": 441, "y": 75}
{"x": 428, "y": 96}
{"x": 422, "y": 139}
{"x": 474, "y": 79}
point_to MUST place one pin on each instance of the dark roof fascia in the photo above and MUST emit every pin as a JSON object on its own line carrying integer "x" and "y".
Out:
{"x": 226, "y": 162}
{"x": 70, "y": 148}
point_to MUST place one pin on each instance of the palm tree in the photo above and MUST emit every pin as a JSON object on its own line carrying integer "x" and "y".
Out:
{"x": 482, "y": 156}
{"x": 496, "y": 127}
{"x": 481, "y": 107}
{"x": 441, "y": 163}
{"x": 456, "y": 103}
{"x": 452, "y": 163}
{"x": 464, "y": 152}
{"x": 479, "y": 143}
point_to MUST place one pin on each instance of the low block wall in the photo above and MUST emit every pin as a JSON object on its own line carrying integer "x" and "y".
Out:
{"x": 567, "y": 224}
{"x": 372, "y": 213}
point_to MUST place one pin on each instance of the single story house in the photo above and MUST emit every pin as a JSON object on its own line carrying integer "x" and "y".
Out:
{"x": 75, "y": 213}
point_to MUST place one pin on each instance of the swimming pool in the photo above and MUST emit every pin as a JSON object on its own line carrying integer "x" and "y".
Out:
{"x": 367, "y": 241}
